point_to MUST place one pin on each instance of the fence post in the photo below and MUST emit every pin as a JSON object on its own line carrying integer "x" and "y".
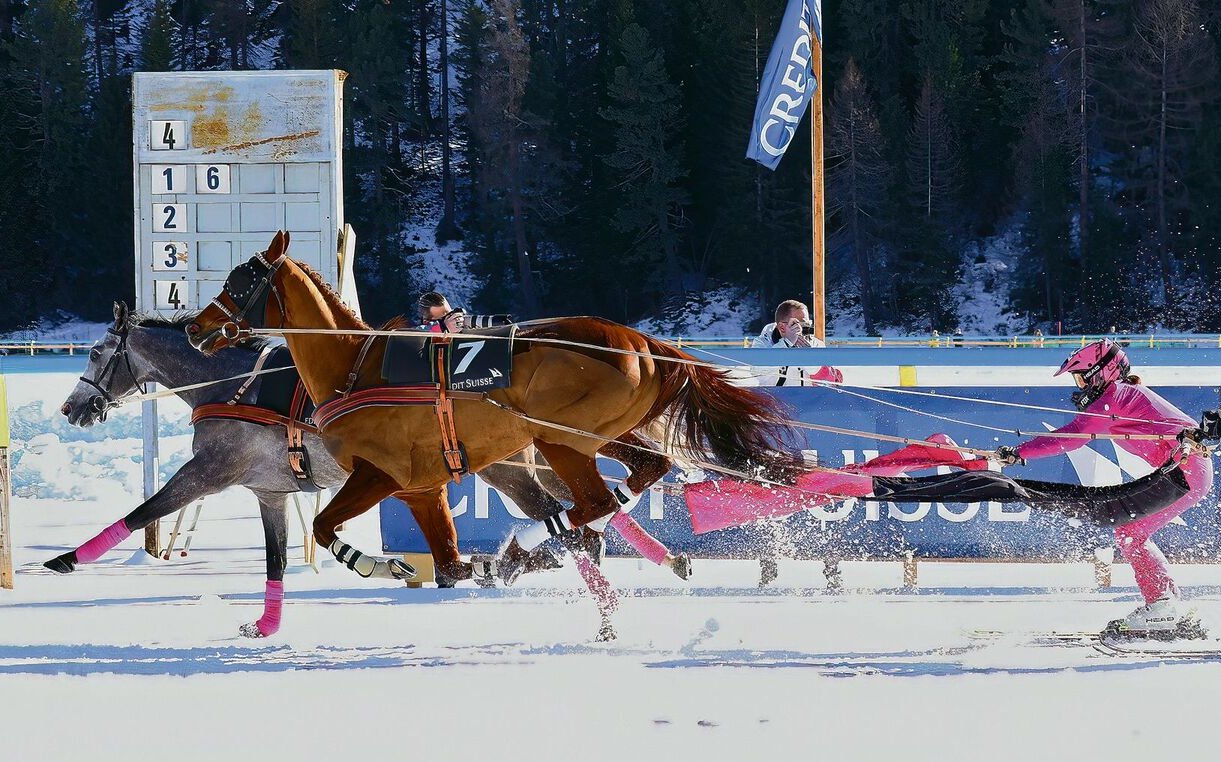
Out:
{"x": 6, "y": 492}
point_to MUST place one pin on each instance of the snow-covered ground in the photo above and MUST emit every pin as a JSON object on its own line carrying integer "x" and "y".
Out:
{"x": 132, "y": 657}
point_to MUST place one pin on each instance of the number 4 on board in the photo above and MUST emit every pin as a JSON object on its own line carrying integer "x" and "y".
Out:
{"x": 167, "y": 135}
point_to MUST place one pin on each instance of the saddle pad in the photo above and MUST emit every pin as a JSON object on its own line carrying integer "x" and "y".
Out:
{"x": 475, "y": 361}
{"x": 275, "y": 390}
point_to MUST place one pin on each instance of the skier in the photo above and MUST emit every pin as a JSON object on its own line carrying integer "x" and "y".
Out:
{"x": 1109, "y": 398}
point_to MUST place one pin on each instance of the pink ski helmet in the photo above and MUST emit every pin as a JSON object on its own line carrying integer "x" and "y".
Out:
{"x": 1100, "y": 363}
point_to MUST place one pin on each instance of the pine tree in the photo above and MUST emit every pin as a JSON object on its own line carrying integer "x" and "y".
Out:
{"x": 933, "y": 176}
{"x": 857, "y": 177}
{"x": 1172, "y": 71}
{"x": 49, "y": 78}
{"x": 309, "y": 41}
{"x": 504, "y": 131}
{"x": 646, "y": 114}
{"x": 157, "y": 42}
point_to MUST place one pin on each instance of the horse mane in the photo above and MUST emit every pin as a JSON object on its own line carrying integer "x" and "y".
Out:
{"x": 326, "y": 288}
{"x": 396, "y": 323}
{"x": 179, "y": 321}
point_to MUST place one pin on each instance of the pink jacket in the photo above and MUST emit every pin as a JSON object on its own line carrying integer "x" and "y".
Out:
{"x": 1128, "y": 401}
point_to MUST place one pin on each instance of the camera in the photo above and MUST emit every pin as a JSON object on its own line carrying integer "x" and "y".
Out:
{"x": 807, "y": 328}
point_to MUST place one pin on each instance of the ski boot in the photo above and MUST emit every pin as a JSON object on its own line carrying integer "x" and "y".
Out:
{"x": 1159, "y": 620}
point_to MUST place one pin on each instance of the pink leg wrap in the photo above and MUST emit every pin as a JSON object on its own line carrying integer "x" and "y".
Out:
{"x": 599, "y": 587}
{"x": 104, "y": 541}
{"x": 1148, "y": 564}
{"x": 645, "y": 544}
{"x": 273, "y": 601}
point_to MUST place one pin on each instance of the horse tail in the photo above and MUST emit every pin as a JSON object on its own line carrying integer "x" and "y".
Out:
{"x": 705, "y": 413}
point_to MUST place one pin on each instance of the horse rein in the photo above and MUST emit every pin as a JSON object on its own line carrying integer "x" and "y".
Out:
{"x": 103, "y": 402}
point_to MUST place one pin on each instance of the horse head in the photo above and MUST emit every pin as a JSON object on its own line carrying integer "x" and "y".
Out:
{"x": 108, "y": 377}
{"x": 249, "y": 293}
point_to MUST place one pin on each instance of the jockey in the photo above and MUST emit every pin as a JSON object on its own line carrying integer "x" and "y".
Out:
{"x": 1110, "y": 398}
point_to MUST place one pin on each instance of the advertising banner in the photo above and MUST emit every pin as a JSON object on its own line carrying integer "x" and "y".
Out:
{"x": 868, "y": 529}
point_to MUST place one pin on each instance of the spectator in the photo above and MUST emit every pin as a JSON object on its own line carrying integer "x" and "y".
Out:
{"x": 791, "y": 329}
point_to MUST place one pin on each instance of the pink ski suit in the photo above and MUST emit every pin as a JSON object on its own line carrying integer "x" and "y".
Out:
{"x": 1136, "y": 401}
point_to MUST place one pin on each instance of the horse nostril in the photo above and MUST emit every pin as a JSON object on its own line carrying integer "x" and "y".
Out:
{"x": 66, "y": 409}
{"x": 192, "y": 329}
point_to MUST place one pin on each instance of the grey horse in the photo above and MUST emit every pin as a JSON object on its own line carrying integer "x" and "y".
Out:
{"x": 138, "y": 350}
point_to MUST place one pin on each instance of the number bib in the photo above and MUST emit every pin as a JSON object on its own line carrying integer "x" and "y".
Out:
{"x": 476, "y": 361}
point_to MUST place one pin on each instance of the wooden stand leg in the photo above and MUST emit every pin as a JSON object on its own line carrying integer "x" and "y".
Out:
{"x": 1102, "y": 573}
{"x": 909, "y": 570}
{"x": 424, "y": 568}
{"x": 152, "y": 539}
{"x": 6, "y": 536}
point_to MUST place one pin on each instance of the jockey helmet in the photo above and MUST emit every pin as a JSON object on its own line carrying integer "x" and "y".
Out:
{"x": 1099, "y": 364}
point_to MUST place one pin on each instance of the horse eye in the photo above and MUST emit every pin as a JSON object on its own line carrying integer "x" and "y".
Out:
{"x": 95, "y": 354}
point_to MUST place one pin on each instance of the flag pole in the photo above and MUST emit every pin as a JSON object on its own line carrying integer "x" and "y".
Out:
{"x": 818, "y": 205}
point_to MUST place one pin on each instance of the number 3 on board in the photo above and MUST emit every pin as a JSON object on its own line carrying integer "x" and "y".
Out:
{"x": 170, "y": 295}
{"x": 169, "y": 255}
{"x": 167, "y": 135}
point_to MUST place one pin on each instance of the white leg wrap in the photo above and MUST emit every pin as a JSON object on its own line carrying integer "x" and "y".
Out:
{"x": 599, "y": 525}
{"x": 353, "y": 558}
{"x": 535, "y": 534}
{"x": 627, "y": 499}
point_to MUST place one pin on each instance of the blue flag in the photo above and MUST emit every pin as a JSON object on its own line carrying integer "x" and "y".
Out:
{"x": 787, "y": 83}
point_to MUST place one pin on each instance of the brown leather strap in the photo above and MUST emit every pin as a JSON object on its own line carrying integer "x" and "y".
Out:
{"x": 248, "y": 413}
{"x": 451, "y": 449}
{"x": 298, "y": 461}
{"x": 254, "y": 373}
{"x": 360, "y": 360}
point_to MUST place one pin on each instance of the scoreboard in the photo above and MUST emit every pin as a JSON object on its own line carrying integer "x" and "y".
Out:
{"x": 222, "y": 161}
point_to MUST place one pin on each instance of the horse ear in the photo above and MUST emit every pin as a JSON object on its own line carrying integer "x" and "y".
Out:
{"x": 278, "y": 246}
{"x": 120, "y": 313}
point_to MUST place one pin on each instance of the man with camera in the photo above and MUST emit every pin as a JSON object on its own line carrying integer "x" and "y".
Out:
{"x": 793, "y": 329}
{"x": 437, "y": 315}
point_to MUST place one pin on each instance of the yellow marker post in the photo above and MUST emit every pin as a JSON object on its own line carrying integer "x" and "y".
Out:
{"x": 6, "y": 492}
{"x": 907, "y": 375}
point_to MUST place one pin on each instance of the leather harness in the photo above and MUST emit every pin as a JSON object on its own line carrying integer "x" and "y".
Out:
{"x": 437, "y": 394}
{"x": 294, "y": 425}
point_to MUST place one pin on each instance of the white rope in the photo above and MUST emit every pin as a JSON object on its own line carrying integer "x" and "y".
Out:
{"x": 144, "y": 396}
{"x": 1019, "y": 432}
{"x": 828, "y": 384}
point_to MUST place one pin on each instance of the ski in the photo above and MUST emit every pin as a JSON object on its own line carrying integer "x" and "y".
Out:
{"x": 1209, "y": 649}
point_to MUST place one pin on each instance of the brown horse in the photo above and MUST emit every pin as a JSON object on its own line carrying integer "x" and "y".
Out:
{"x": 577, "y": 396}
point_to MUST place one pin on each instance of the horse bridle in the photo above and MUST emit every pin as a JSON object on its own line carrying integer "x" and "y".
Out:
{"x": 103, "y": 401}
{"x": 249, "y": 297}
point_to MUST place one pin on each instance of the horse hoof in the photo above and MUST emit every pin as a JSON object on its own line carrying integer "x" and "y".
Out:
{"x": 251, "y": 630}
{"x": 401, "y": 569}
{"x": 65, "y": 564}
{"x": 511, "y": 563}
